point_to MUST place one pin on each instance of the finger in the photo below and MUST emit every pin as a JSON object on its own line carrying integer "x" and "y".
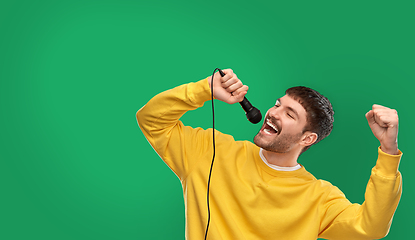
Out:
{"x": 240, "y": 93}
{"x": 380, "y": 107}
{"x": 387, "y": 120}
{"x": 228, "y": 71}
{"x": 391, "y": 112}
{"x": 228, "y": 74}
{"x": 244, "y": 88}
{"x": 381, "y": 120}
{"x": 370, "y": 116}
{"x": 234, "y": 87}
{"x": 386, "y": 112}
{"x": 226, "y": 78}
{"x": 377, "y": 106}
{"x": 229, "y": 82}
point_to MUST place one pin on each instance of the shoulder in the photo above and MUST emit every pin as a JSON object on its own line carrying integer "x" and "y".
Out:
{"x": 326, "y": 189}
{"x": 227, "y": 140}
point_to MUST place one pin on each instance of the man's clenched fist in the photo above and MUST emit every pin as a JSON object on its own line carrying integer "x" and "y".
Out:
{"x": 228, "y": 88}
{"x": 384, "y": 124}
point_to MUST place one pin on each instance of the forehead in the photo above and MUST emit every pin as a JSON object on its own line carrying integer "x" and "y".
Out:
{"x": 293, "y": 105}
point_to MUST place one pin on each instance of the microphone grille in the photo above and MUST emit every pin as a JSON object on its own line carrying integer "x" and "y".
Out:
{"x": 254, "y": 116}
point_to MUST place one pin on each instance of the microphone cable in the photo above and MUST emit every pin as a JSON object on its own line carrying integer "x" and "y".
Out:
{"x": 214, "y": 153}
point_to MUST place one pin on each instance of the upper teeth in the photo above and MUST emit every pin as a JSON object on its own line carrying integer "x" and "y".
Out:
{"x": 272, "y": 125}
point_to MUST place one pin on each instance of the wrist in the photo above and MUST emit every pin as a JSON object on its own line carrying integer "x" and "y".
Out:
{"x": 392, "y": 150}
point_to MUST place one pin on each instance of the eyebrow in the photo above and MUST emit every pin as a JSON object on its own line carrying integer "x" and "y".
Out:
{"x": 289, "y": 108}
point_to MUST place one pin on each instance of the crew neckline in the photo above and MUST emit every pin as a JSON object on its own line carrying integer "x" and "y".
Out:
{"x": 276, "y": 167}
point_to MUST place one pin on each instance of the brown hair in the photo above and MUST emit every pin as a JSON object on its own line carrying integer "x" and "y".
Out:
{"x": 319, "y": 111}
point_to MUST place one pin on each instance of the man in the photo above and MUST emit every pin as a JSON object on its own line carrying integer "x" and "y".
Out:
{"x": 259, "y": 191}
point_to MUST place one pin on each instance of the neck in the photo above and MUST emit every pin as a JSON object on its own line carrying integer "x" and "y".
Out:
{"x": 281, "y": 159}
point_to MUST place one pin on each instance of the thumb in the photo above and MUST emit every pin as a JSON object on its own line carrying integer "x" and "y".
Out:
{"x": 370, "y": 116}
{"x": 240, "y": 93}
{"x": 374, "y": 126}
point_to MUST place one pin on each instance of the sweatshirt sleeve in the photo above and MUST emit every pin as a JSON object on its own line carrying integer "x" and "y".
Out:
{"x": 174, "y": 142}
{"x": 372, "y": 219}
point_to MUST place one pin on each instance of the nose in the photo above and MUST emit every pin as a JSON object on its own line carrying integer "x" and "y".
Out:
{"x": 274, "y": 112}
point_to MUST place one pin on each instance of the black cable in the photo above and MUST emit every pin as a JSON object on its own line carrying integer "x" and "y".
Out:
{"x": 214, "y": 152}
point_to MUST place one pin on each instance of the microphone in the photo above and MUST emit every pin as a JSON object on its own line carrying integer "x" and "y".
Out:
{"x": 252, "y": 113}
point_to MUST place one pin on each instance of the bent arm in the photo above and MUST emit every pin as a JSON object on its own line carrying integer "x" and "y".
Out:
{"x": 159, "y": 122}
{"x": 372, "y": 219}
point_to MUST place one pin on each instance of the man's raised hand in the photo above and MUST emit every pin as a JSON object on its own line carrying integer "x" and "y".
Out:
{"x": 228, "y": 88}
{"x": 384, "y": 123}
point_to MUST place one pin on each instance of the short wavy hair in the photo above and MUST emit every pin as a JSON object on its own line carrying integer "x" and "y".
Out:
{"x": 319, "y": 111}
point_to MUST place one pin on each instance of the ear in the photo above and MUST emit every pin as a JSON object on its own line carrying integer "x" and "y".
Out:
{"x": 308, "y": 138}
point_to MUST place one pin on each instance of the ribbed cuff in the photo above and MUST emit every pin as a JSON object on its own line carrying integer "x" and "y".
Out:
{"x": 387, "y": 165}
{"x": 199, "y": 92}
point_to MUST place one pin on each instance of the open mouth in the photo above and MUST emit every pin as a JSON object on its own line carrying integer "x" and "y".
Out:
{"x": 270, "y": 128}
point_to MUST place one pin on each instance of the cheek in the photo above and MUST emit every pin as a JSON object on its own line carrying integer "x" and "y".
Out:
{"x": 291, "y": 126}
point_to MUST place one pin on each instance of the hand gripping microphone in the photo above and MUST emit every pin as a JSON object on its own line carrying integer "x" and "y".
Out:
{"x": 252, "y": 113}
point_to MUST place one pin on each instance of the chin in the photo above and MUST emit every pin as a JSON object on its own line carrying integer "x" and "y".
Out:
{"x": 259, "y": 141}
{"x": 282, "y": 144}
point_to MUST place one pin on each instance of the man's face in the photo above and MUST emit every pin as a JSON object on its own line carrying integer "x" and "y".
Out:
{"x": 283, "y": 126}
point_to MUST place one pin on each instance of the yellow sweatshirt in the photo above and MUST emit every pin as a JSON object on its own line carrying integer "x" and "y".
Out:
{"x": 250, "y": 200}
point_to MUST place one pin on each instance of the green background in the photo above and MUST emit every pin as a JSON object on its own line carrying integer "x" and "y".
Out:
{"x": 75, "y": 165}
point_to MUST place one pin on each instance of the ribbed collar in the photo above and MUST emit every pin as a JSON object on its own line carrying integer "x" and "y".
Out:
{"x": 278, "y": 168}
{"x": 294, "y": 173}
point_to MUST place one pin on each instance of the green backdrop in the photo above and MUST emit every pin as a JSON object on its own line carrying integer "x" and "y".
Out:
{"x": 74, "y": 164}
